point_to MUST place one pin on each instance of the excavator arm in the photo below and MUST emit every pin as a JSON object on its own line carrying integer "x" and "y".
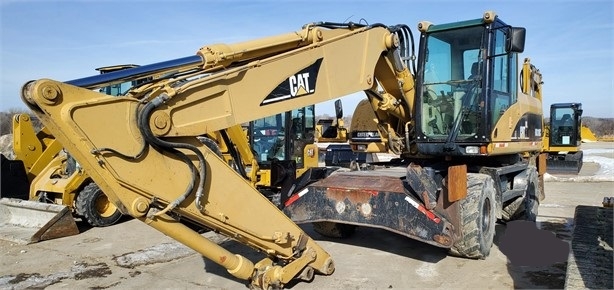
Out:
{"x": 143, "y": 152}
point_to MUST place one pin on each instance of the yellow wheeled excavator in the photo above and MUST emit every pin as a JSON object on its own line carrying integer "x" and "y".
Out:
{"x": 469, "y": 137}
{"x": 333, "y": 142}
{"x": 326, "y": 132}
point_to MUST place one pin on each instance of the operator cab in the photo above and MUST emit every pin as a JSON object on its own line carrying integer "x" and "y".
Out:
{"x": 469, "y": 73}
{"x": 565, "y": 120}
{"x": 283, "y": 137}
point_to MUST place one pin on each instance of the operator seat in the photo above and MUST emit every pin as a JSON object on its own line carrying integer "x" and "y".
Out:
{"x": 566, "y": 120}
{"x": 472, "y": 90}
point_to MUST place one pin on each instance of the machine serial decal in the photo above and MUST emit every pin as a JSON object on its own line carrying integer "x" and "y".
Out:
{"x": 528, "y": 128}
{"x": 302, "y": 83}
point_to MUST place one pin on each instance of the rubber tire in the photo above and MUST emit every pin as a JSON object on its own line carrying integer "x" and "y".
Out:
{"x": 334, "y": 230}
{"x": 477, "y": 215}
{"x": 86, "y": 205}
{"x": 517, "y": 210}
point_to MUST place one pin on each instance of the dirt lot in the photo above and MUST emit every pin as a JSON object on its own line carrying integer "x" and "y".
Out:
{"x": 131, "y": 255}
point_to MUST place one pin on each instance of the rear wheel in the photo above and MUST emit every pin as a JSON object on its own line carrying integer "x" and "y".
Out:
{"x": 95, "y": 207}
{"x": 477, "y": 214}
{"x": 334, "y": 230}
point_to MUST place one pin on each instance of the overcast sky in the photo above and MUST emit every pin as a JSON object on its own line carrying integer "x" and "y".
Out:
{"x": 571, "y": 42}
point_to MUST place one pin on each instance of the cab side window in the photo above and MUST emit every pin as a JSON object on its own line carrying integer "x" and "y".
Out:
{"x": 502, "y": 77}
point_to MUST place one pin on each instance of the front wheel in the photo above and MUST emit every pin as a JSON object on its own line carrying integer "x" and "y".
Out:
{"x": 477, "y": 215}
{"x": 94, "y": 206}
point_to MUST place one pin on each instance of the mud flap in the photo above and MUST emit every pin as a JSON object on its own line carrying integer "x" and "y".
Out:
{"x": 26, "y": 222}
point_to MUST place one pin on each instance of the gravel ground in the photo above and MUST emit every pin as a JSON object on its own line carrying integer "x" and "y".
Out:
{"x": 131, "y": 255}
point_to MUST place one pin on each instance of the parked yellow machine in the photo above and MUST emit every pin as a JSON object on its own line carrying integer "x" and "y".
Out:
{"x": 51, "y": 181}
{"x": 466, "y": 123}
{"x": 270, "y": 152}
{"x": 563, "y": 138}
{"x": 326, "y": 132}
{"x": 25, "y": 221}
{"x": 54, "y": 177}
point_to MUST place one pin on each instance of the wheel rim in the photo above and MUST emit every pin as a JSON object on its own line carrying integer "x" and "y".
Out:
{"x": 486, "y": 212}
{"x": 103, "y": 207}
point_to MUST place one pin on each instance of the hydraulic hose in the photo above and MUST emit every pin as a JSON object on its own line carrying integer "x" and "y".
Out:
{"x": 143, "y": 124}
{"x": 122, "y": 155}
{"x": 406, "y": 39}
{"x": 234, "y": 153}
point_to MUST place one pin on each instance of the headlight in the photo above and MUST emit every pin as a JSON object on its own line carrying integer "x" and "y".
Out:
{"x": 472, "y": 150}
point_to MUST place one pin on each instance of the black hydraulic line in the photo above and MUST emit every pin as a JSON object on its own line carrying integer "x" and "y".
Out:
{"x": 234, "y": 153}
{"x": 143, "y": 124}
{"x": 120, "y": 154}
{"x": 406, "y": 39}
{"x": 350, "y": 25}
{"x": 412, "y": 57}
{"x": 120, "y": 76}
{"x": 371, "y": 94}
{"x": 333, "y": 25}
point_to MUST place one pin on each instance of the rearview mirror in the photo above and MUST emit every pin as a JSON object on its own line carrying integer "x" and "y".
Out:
{"x": 338, "y": 109}
{"x": 515, "y": 39}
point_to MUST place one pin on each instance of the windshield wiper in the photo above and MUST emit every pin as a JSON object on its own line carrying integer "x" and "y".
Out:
{"x": 450, "y": 145}
{"x": 452, "y": 82}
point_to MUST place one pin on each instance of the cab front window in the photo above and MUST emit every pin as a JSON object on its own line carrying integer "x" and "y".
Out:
{"x": 451, "y": 94}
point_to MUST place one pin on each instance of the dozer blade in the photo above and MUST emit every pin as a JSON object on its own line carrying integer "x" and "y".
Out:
{"x": 563, "y": 167}
{"x": 26, "y": 222}
{"x": 565, "y": 164}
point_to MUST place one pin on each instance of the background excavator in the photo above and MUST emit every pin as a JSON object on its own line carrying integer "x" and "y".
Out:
{"x": 563, "y": 138}
{"x": 332, "y": 140}
{"x": 469, "y": 143}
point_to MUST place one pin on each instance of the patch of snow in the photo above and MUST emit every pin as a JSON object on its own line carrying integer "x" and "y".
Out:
{"x": 550, "y": 205}
{"x": 605, "y": 172}
{"x": 427, "y": 270}
{"x": 156, "y": 254}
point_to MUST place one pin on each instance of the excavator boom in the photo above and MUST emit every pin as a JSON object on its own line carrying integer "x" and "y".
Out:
{"x": 143, "y": 152}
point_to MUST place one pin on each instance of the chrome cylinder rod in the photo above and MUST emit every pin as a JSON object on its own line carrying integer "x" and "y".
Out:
{"x": 92, "y": 82}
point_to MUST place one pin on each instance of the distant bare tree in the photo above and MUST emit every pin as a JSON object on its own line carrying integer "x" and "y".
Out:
{"x": 599, "y": 126}
{"x": 6, "y": 120}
